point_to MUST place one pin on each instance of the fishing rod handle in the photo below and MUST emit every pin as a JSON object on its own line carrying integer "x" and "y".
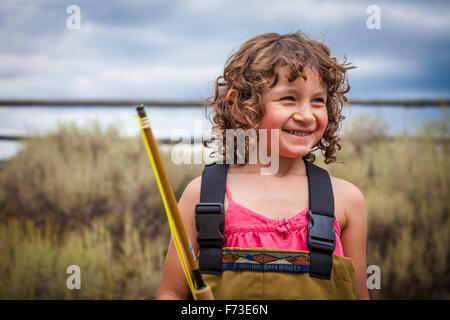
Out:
{"x": 204, "y": 293}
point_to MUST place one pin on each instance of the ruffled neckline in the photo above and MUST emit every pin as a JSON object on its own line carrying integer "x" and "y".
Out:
{"x": 241, "y": 218}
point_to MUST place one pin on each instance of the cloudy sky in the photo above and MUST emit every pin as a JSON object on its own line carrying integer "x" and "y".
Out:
{"x": 175, "y": 49}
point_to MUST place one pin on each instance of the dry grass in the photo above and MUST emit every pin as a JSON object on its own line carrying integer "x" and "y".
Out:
{"x": 88, "y": 197}
{"x": 406, "y": 183}
{"x": 34, "y": 261}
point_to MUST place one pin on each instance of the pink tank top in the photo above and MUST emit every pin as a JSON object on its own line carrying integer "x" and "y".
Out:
{"x": 245, "y": 228}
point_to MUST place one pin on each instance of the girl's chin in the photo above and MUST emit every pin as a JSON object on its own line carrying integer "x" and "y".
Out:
{"x": 296, "y": 145}
{"x": 289, "y": 152}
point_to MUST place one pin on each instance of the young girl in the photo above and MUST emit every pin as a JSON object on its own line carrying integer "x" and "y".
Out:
{"x": 291, "y": 84}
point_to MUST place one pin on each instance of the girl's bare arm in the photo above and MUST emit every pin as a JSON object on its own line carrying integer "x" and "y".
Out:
{"x": 173, "y": 283}
{"x": 353, "y": 236}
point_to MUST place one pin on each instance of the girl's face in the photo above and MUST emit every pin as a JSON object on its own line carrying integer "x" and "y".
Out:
{"x": 295, "y": 106}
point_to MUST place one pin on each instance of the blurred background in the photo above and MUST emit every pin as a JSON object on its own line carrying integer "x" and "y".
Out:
{"x": 76, "y": 185}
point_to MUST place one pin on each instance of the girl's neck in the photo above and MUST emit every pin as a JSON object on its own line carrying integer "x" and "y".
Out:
{"x": 286, "y": 167}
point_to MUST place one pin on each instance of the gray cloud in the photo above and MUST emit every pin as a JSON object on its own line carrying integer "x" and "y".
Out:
{"x": 174, "y": 49}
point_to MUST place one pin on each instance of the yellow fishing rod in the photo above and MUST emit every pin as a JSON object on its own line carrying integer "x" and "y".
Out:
{"x": 179, "y": 236}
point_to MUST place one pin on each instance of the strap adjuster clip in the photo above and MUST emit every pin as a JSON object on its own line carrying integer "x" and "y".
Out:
{"x": 321, "y": 233}
{"x": 209, "y": 207}
{"x": 210, "y": 224}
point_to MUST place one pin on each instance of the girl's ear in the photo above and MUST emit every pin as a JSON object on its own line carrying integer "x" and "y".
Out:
{"x": 230, "y": 98}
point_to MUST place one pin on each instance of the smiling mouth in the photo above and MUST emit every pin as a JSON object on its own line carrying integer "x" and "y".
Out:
{"x": 297, "y": 133}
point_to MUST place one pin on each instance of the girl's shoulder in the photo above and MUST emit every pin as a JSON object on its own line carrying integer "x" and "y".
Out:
{"x": 193, "y": 188}
{"x": 348, "y": 197}
{"x": 346, "y": 189}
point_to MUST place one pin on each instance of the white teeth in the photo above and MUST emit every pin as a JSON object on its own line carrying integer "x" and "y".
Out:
{"x": 298, "y": 133}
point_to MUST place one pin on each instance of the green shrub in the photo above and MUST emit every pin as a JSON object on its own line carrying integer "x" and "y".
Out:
{"x": 88, "y": 197}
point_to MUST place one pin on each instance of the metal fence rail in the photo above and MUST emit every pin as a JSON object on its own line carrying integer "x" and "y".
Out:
{"x": 158, "y": 140}
{"x": 410, "y": 103}
{"x": 445, "y": 102}
{"x": 169, "y": 141}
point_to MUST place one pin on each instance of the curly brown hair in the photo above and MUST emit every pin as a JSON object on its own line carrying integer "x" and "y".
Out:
{"x": 250, "y": 70}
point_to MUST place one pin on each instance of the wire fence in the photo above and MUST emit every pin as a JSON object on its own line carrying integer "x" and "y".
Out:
{"x": 413, "y": 103}
{"x": 400, "y": 103}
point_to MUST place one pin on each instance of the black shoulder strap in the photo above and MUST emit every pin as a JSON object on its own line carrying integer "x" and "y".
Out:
{"x": 210, "y": 219}
{"x": 321, "y": 233}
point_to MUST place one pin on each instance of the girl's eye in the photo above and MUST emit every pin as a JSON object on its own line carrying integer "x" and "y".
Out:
{"x": 287, "y": 98}
{"x": 321, "y": 100}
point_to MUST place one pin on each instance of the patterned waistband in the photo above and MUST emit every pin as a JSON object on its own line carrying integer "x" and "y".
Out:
{"x": 265, "y": 260}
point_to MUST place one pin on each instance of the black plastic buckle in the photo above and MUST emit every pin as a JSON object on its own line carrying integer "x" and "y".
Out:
{"x": 210, "y": 224}
{"x": 321, "y": 233}
{"x": 209, "y": 207}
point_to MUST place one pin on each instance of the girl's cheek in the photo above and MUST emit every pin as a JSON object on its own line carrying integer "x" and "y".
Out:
{"x": 324, "y": 119}
{"x": 267, "y": 122}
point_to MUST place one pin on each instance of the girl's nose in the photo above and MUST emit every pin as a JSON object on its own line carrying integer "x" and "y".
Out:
{"x": 305, "y": 115}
